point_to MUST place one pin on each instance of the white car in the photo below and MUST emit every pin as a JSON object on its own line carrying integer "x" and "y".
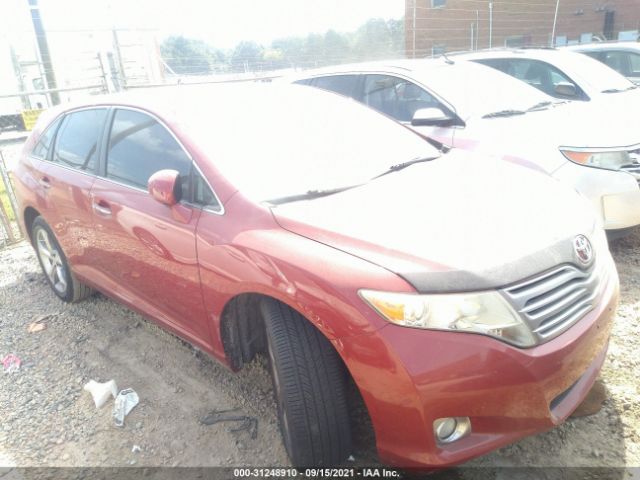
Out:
{"x": 623, "y": 57}
{"x": 560, "y": 73}
{"x": 474, "y": 107}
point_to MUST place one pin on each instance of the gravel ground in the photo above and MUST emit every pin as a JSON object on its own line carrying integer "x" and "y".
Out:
{"x": 46, "y": 419}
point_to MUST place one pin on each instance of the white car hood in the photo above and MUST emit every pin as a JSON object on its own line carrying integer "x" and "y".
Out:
{"x": 534, "y": 139}
{"x": 457, "y": 223}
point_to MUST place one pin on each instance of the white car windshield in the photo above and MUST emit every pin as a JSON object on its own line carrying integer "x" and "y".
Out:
{"x": 601, "y": 78}
{"x": 478, "y": 90}
{"x": 278, "y": 141}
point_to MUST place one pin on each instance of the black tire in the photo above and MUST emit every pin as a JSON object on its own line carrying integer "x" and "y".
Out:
{"x": 57, "y": 271}
{"x": 310, "y": 388}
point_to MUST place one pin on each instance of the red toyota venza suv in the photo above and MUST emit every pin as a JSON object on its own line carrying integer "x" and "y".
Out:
{"x": 470, "y": 302}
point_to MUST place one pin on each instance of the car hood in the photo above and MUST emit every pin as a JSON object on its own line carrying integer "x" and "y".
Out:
{"x": 537, "y": 136}
{"x": 453, "y": 224}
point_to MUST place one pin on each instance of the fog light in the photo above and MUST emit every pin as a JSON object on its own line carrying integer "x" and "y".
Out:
{"x": 450, "y": 429}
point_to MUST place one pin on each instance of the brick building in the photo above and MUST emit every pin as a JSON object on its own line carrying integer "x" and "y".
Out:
{"x": 433, "y": 26}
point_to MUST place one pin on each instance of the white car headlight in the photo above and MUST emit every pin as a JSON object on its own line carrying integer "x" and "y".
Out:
{"x": 611, "y": 160}
{"x": 487, "y": 313}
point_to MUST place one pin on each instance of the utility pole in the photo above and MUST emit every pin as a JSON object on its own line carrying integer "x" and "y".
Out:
{"x": 490, "y": 24}
{"x": 472, "y": 37}
{"x": 477, "y": 28}
{"x": 43, "y": 50}
{"x": 122, "y": 80}
{"x": 555, "y": 20}
{"x": 415, "y": 12}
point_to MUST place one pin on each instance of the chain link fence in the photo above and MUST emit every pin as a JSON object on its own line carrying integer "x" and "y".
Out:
{"x": 10, "y": 231}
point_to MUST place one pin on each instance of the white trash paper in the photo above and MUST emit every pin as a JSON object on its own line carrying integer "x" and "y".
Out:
{"x": 101, "y": 391}
{"x": 125, "y": 401}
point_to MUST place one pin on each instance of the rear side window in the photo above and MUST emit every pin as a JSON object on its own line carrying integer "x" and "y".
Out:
{"x": 342, "y": 84}
{"x": 41, "y": 149}
{"x": 139, "y": 146}
{"x": 77, "y": 140}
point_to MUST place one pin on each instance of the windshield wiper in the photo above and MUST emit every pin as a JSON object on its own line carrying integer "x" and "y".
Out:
{"x": 504, "y": 113}
{"x": 540, "y": 106}
{"x": 309, "y": 195}
{"x": 403, "y": 165}
{"x": 619, "y": 90}
{"x": 312, "y": 194}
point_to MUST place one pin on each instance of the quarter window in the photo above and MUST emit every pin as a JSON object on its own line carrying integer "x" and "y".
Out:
{"x": 202, "y": 194}
{"x": 41, "y": 149}
{"x": 77, "y": 140}
{"x": 342, "y": 84}
{"x": 139, "y": 146}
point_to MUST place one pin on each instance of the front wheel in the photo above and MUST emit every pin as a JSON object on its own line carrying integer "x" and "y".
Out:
{"x": 55, "y": 266}
{"x": 309, "y": 386}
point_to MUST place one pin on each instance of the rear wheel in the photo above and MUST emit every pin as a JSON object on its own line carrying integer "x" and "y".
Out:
{"x": 54, "y": 264}
{"x": 309, "y": 386}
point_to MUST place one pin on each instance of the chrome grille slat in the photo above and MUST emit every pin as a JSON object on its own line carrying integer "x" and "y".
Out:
{"x": 540, "y": 286}
{"x": 552, "y": 307}
{"x": 583, "y": 303}
{"x": 553, "y": 301}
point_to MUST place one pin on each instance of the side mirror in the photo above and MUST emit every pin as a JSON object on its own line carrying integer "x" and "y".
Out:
{"x": 164, "y": 186}
{"x": 566, "y": 89}
{"x": 430, "y": 117}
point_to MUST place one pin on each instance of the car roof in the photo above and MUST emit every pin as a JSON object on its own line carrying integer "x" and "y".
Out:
{"x": 544, "y": 54}
{"x": 398, "y": 66}
{"x": 588, "y": 47}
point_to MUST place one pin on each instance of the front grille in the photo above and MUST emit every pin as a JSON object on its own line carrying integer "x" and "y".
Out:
{"x": 553, "y": 301}
{"x": 634, "y": 167}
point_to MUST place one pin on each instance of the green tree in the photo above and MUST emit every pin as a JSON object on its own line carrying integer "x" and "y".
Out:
{"x": 184, "y": 55}
{"x": 247, "y": 56}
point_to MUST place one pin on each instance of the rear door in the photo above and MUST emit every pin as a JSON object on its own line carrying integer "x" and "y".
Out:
{"x": 146, "y": 251}
{"x": 69, "y": 178}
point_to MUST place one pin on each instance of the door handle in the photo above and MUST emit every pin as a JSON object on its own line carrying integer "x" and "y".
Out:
{"x": 45, "y": 182}
{"x": 102, "y": 208}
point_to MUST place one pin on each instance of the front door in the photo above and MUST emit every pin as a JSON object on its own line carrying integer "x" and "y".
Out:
{"x": 146, "y": 251}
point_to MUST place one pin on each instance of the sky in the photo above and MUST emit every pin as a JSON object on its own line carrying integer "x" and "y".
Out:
{"x": 223, "y": 23}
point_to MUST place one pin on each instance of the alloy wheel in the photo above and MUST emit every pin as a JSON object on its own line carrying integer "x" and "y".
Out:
{"x": 52, "y": 261}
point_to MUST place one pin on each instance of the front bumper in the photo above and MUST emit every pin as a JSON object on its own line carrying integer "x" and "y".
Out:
{"x": 615, "y": 195}
{"x": 409, "y": 378}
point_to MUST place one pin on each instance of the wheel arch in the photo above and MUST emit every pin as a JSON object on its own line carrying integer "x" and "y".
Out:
{"x": 243, "y": 336}
{"x": 29, "y": 216}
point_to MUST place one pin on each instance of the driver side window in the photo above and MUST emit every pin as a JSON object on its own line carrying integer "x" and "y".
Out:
{"x": 139, "y": 146}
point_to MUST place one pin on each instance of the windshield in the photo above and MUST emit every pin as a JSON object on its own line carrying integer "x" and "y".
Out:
{"x": 585, "y": 69}
{"x": 478, "y": 90}
{"x": 291, "y": 140}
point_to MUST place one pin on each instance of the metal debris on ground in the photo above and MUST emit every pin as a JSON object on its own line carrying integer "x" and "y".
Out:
{"x": 136, "y": 448}
{"x": 249, "y": 424}
{"x": 100, "y": 392}
{"x": 11, "y": 363}
{"x": 125, "y": 401}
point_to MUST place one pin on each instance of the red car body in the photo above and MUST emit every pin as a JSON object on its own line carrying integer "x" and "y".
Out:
{"x": 183, "y": 266}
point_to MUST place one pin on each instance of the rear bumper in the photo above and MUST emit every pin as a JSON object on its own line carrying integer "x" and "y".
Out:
{"x": 409, "y": 378}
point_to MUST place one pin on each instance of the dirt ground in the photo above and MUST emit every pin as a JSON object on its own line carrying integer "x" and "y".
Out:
{"x": 46, "y": 419}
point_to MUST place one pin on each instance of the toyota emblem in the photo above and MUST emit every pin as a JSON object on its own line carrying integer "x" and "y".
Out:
{"x": 584, "y": 250}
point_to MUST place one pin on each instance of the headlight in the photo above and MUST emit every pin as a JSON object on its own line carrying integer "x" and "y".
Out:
{"x": 485, "y": 312}
{"x": 600, "y": 159}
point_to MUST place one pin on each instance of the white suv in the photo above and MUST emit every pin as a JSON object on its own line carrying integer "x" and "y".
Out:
{"x": 474, "y": 107}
